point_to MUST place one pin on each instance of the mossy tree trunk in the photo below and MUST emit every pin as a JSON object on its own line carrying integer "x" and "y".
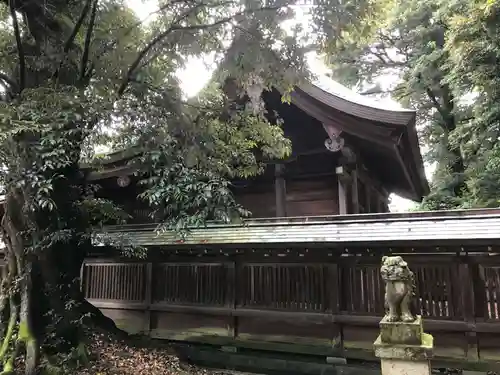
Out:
{"x": 45, "y": 228}
{"x": 43, "y": 309}
{"x": 41, "y": 299}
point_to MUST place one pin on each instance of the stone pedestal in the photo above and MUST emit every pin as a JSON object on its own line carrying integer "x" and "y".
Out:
{"x": 399, "y": 367}
{"x": 403, "y": 348}
{"x": 401, "y": 332}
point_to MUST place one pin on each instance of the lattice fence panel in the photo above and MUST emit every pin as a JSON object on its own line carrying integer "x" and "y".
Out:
{"x": 300, "y": 287}
{"x": 114, "y": 281}
{"x": 192, "y": 283}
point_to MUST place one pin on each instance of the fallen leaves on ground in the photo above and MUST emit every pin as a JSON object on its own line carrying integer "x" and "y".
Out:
{"x": 112, "y": 357}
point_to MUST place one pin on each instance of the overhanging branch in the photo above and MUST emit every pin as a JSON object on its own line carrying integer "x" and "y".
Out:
{"x": 109, "y": 46}
{"x": 177, "y": 27}
{"x": 159, "y": 38}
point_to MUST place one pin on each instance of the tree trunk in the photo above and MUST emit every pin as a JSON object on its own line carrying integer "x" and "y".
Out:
{"x": 40, "y": 299}
{"x": 41, "y": 286}
{"x": 449, "y": 117}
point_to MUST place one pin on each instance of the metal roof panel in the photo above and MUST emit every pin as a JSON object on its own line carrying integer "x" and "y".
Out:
{"x": 387, "y": 230}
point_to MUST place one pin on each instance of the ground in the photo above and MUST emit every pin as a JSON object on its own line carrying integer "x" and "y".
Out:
{"x": 136, "y": 357}
{"x": 113, "y": 357}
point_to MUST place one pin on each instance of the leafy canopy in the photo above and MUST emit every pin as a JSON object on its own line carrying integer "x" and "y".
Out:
{"x": 444, "y": 56}
{"x": 79, "y": 75}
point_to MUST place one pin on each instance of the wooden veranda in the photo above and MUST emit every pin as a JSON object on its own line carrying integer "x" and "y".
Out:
{"x": 307, "y": 285}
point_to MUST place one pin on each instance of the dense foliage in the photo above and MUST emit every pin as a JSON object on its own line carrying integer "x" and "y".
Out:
{"x": 445, "y": 54}
{"x": 78, "y": 74}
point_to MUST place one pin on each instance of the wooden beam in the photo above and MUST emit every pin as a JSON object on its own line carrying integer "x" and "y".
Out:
{"x": 280, "y": 189}
{"x": 331, "y": 130}
{"x": 303, "y": 317}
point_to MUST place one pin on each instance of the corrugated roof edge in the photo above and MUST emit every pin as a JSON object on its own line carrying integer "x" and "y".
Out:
{"x": 448, "y": 229}
{"x": 482, "y": 213}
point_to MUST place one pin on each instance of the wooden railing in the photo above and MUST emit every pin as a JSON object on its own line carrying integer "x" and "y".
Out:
{"x": 305, "y": 301}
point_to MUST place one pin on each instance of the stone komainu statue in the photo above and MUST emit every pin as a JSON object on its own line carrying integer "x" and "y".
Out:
{"x": 399, "y": 289}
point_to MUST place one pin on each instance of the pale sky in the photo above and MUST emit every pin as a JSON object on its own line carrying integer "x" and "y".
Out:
{"x": 197, "y": 73}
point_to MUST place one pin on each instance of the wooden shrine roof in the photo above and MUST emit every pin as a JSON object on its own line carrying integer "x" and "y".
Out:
{"x": 390, "y": 131}
{"x": 335, "y": 95}
{"x": 376, "y": 131}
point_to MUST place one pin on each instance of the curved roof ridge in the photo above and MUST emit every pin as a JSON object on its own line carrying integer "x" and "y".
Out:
{"x": 334, "y": 94}
{"x": 330, "y": 85}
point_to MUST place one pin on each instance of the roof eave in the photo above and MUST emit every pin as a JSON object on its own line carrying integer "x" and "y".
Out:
{"x": 421, "y": 186}
{"x": 404, "y": 120}
{"x": 399, "y": 117}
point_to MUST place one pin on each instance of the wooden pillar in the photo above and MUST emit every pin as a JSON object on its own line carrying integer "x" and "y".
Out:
{"x": 280, "y": 189}
{"x": 342, "y": 189}
{"x": 368, "y": 192}
{"x": 468, "y": 301}
{"x": 354, "y": 189}
{"x": 148, "y": 297}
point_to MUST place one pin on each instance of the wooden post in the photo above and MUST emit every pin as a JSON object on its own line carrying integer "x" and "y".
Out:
{"x": 468, "y": 306}
{"x": 354, "y": 189}
{"x": 342, "y": 190}
{"x": 231, "y": 298}
{"x": 82, "y": 275}
{"x": 148, "y": 297}
{"x": 280, "y": 190}
{"x": 368, "y": 192}
{"x": 333, "y": 290}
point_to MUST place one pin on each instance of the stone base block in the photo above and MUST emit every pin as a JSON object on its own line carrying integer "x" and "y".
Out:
{"x": 400, "y": 367}
{"x": 401, "y": 332}
{"x": 405, "y": 352}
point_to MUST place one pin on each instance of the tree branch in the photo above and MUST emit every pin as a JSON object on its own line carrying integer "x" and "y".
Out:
{"x": 381, "y": 54}
{"x": 376, "y": 90}
{"x": 19, "y": 44}
{"x": 9, "y": 81}
{"x": 176, "y": 27}
{"x": 76, "y": 28}
{"x": 88, "y": 39}
{"x": 72, "y": 36}
{"x": 151, "y": 44}
{"x": 433, "y": 99}
{"x": 108, "y": 46}
{"x": 436, "y": 103}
